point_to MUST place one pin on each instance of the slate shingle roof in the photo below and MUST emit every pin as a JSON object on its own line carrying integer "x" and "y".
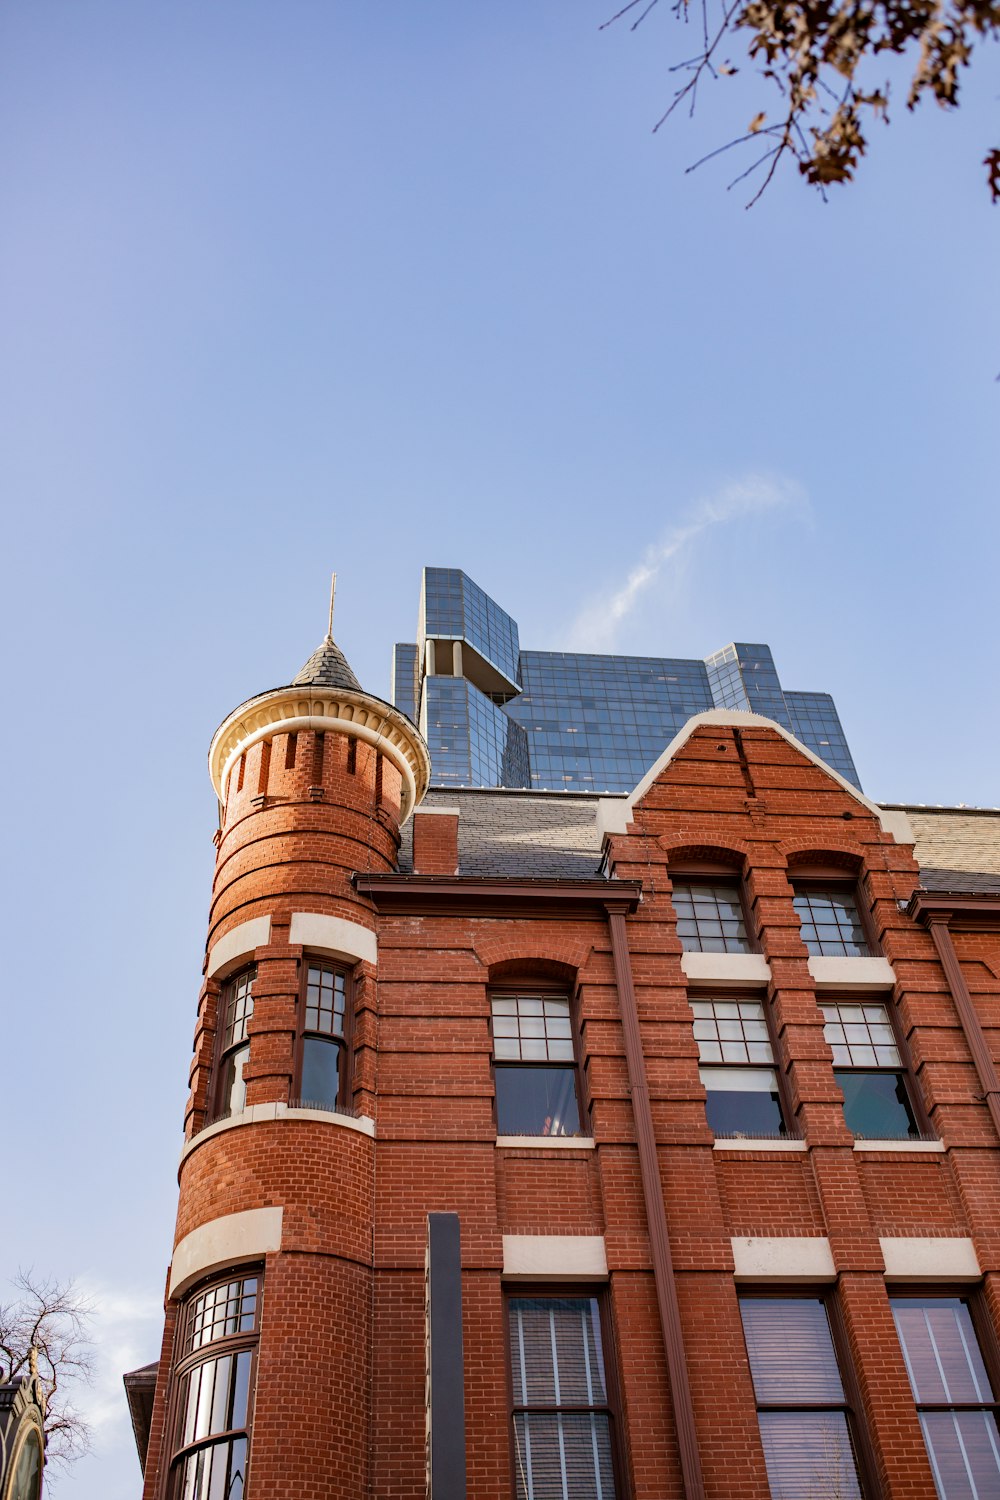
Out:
{"x": 960, "y": 882}
{"x": 327, "y": 667}
{"x": 518, "y": 833}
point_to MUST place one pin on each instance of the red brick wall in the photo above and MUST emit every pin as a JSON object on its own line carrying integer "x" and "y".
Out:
{"x": 343, "y": 1338}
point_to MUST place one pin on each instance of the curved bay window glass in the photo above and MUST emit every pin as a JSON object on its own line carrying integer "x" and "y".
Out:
{"x": 213, "y": 1391}
{"x": 235, "y": 1009}
{"x": 561, "y": 1414}
{"x": 535, "y": 1066}
{"x": 323, "y": 1039}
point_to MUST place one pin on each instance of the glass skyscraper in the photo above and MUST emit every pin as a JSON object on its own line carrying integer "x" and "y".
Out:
{"x": 494, "y": 715}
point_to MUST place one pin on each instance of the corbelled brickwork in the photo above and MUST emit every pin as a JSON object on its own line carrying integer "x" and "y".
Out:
{"x": 310, "y": 824}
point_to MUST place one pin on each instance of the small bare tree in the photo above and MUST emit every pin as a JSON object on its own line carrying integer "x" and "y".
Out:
{"x": 51, "y": 1318}
{"x": 820, "y": 59}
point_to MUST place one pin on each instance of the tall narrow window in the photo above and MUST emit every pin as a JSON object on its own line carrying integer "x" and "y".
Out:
{"x": 869, "y": 1069}
{"x": 213, "y": 1386}
{"x": 801, "y": 1406}
{"x": 955, "y": 1397}
{"x": 737, "y": 1068}
{"x": 563, "y": 1440}
{"x": 235, "y": 1010}
{"x": 710, "y": 916}
{"x": 322, "y": 1036}
{"x": 535, "y": 1066}
{"x": 831, "y": 923}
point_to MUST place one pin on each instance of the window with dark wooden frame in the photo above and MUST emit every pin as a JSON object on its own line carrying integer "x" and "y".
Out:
{"x": 213, "y": 1389}
{"x": 806, "y": 1423}
{"x": 322, "y": 1043}
{"x": 235, "y": 1010}
{"x": 710, "y": 915}
{"x": 954, "y": 1392}
{"x": 870, "y": 1069}
{"x": 736, "y": 1057}
{"x": 831, "y": 921}
{"x": 563, "y": 1431}
{"x": 535, "y": 1068}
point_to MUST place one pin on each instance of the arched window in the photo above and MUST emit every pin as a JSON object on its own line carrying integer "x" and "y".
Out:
{"x": 213, "y": 1386}
{"x": 235, "y": 1010}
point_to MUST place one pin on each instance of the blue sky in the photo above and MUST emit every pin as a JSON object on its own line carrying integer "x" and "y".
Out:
{"x": 288, "y": 288}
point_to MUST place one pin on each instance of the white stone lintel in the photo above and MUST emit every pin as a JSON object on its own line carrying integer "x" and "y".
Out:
{"x": 335, "y": 935}
{"x": 783, "y": 1259}
{"x": 547, "y": 1142}
{"x": 555, "y": 1257}
{"x": 239, "y": 942}
{"x": 852, "y": 973}
{"x": 722, "y": 969}
{"x": 233, "y": 1239}
{"x": 777, "y": 1143}
{"x": 930, "y": 1259}
{"x": 909, "y": 1146}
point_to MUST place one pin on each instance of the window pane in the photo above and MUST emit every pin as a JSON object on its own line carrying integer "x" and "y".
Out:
{"x": 964, "y": 1453}
{"x": 941, "y": 1351}
{"x": 710, "y": 917}
{"x": 536, "y": 1101}
{"x": 830, "y": 923}
{"x": 326, "y": 1000}
{"x": 860, "y": 1037}
{"x": 232, "y": 1089}
{"x": 791, "y": 1350}
{"x": 560, "y": 1457}
{"x": 532, "y": 1029}
{"x": 876, "y": 1105}
{"x": 320, "y": 1073}
{"x": 809, "y": 1455}
{"x": 747, "y": 1104}
{"x": 556, "y": 1351}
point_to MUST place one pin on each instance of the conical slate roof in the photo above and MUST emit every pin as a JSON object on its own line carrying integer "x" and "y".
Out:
{"x": 327, "y": 667}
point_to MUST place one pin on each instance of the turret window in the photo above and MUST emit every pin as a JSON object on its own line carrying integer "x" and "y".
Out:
{"x": 322, "y": 1044}
{"x": 235, "y": 1010}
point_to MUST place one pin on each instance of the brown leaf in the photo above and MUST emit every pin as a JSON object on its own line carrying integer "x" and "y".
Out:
{"x": 756, "y": 123}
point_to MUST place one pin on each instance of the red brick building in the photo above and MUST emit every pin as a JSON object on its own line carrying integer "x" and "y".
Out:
{"x": 702, "y": 1079}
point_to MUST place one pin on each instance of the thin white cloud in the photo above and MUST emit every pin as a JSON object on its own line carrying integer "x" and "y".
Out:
{"x": 126, "y": 1330}
{"x": 596, "y": 626}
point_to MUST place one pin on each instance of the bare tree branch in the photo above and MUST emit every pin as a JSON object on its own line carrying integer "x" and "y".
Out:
{"x": 807, "y": 49}
{"x": 53, "y": 1318}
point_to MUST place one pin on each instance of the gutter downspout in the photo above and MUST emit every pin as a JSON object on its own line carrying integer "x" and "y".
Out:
{"x": 652, "y": 1189}
{"x": 937, "y": 925}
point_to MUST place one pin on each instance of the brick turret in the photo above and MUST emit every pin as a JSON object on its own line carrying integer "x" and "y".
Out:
{"x": 314, "y": 780}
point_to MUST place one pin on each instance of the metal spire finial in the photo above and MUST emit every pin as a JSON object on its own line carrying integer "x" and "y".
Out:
{"x": 333, "y": 595}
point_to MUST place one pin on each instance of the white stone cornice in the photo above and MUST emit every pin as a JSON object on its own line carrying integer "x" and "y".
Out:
{"x": 291, "y": 710}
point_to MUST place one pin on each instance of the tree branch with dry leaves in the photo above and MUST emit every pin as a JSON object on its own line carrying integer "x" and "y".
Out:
{"x": 818, "y": 56}
{"x": 53, "y": 1318}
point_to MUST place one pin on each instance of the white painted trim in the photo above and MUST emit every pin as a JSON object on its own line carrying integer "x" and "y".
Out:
{"x": 896, "y": 822}
{"x": 337, "y": 935}
{"x": 784, "y": 1258}
{"x": 238, "y": 942}
{"x": 547, "y": 1142}
{"x": 555, "y": 1257}
{"x": 230, "y": 1240}
{"x": 614, "y": 815}
{"x": 780, "y": 1143}
{"x": 930, "y": 1259}
{"x": 355, "y": 714}
{"x": 439, "y": 812}
{"x": 917, "y": 1146}
{"x": 726, "y": 968}
{"x": 852, "y": 973}
{"x": 257, "y": 1113}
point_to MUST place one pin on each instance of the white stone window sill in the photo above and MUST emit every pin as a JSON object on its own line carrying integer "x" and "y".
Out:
{"x": 872, "y": 1145}
{"x": 791, "y": 1143}
{"x": 547, "y": 1142}
{"x": 725, "y": 968}
{"x": 264, "y": 1112}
